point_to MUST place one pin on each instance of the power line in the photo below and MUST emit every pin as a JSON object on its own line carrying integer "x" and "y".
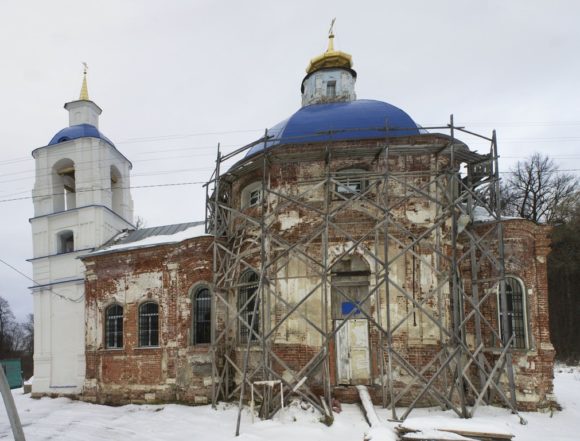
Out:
{"x": 176, "y": 184}
{"x": 62, "y": 296}
{"x": 188, "y": 135}
{"x": 152, "y": 139}
{"x": 195, "y": 154}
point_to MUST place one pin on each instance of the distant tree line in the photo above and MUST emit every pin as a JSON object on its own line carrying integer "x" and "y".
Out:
{"x": 537, "y": 190}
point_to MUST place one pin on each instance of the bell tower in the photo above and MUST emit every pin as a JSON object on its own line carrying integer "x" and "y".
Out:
{"x": 81, "y": 200}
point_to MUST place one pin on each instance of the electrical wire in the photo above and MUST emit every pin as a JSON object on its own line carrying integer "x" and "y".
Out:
{"x": 102, "y": 189}
{"x": 62, "y": 296}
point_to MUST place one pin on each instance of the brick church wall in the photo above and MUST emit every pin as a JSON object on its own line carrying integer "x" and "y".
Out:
{"x": 176, "y": 370}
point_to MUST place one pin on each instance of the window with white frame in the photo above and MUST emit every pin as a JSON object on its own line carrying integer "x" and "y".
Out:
{"x": 350, "y": 182}
{"x": 515, "y": 313}
{"x": 252, "y": 195}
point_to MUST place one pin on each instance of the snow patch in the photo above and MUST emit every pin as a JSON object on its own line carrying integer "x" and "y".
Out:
{"x": 189, "y": 233}
{"x": 66, "y": 420}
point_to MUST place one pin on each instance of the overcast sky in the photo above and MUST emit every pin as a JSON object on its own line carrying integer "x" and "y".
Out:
{"x": 174, "y": 78}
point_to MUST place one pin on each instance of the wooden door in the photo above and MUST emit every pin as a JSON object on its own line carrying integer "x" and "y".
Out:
{"x": 352, "y": 352}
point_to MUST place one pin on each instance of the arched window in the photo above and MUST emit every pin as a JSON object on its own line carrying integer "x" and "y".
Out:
{"x": 248, "y": 301}
{"x": 64, "y": 185}
{"x": 114, "y": 327}
{"x": 201, "y": 316}
{"x": 65, "y": 242}
{"x": 516, "y": 313}
{"x": 149, "y": 324}
{"x": 252, "y": 195}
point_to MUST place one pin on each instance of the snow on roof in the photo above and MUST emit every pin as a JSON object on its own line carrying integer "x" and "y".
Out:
{"x": 149, "y": 237}
{"x": 481, "y": 214}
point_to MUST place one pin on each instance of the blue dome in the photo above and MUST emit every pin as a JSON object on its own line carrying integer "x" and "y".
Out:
{"x": 360, "y": 119}
{"x": 78, "y": 131}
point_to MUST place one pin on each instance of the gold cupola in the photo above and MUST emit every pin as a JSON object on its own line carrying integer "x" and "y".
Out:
{"x": 331, "y": 58}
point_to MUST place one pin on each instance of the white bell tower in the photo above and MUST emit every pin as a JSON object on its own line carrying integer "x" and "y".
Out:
{"x": 81, "y": 200}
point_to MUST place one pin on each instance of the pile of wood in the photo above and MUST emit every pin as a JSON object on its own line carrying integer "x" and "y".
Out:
{"x": 408, "y": 434}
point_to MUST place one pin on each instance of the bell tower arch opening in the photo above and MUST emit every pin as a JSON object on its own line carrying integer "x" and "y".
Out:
{"x": 64, "y": 185}
{"x": 116, "y": 190}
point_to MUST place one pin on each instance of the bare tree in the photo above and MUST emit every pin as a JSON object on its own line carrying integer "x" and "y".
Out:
{"x": 8, "y": 327}
{"x": 28, "y": 331}
{"x": 538, "y": 191}
{"x": 140, "y": 223}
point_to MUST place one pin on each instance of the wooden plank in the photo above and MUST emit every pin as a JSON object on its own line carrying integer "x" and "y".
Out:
{"x": 469, "y": 434}
{"x": 484, "y": 436}
{"x": 430, "y": 438}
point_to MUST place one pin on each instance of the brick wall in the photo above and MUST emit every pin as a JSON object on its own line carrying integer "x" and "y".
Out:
{"x": 176, "y": 370}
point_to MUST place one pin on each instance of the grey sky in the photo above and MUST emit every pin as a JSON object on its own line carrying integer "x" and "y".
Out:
{"x": 167, "y": 72}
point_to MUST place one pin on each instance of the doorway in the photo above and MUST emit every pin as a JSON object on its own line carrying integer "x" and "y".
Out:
{"x": 350, "y": 285}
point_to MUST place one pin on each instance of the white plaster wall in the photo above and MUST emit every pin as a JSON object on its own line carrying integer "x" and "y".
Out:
{"x": 59, "y": 365}
{"x": 315, "y": 86}
{"x": 59, "y": 358}
{"x": 83, "y": 112}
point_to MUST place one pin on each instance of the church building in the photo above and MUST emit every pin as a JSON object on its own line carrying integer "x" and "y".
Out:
{"x": 349, "y": 246}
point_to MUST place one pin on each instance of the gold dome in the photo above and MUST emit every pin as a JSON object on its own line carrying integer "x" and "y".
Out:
{"x": 330, "y": 58}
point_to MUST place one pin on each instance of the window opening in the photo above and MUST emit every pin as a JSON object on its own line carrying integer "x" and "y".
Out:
{"x": 350, "y": 182}
{"x": 516, "y": 313}
{"x": 251, "y": 195}
{"x": 331, "y": 89}
{"x": 64, "y": 185}
{"x": 114, "y": 327}
{"x": 69, "y": 184}
{"x": 247, "y": 298}
{"x": 202, "y": 316}
{"x": 66, "y": 242}
{"x": 255, "y": 197}
{"x": 149, "y": 324}
{"x": 350, "y": 286}
{"x": 116, "y": 190}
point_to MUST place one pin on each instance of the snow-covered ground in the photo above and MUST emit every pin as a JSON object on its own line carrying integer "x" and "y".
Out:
{"x": 63, "y": 419}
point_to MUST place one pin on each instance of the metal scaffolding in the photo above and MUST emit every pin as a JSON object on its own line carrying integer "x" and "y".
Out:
{"x": 469, "y": 363}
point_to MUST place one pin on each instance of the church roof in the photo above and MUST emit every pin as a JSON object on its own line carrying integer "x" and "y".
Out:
{"x": 78, "y": 131}
{"x": 150, "y": 237}
{"x": 352, "y": 120}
